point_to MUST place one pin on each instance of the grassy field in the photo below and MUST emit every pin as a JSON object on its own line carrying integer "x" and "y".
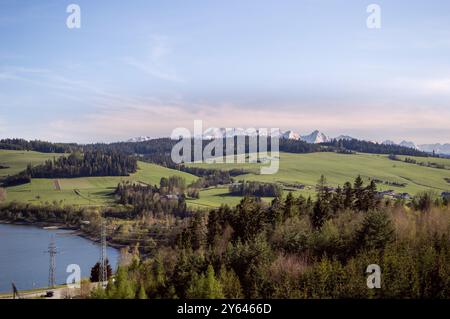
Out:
{"x": 17, "y": 161}
{"x": 339, "y": 168}
{"x": 75, "y": 191}
{"x": 216, "y": 196}
{"x": 294, "y": 168}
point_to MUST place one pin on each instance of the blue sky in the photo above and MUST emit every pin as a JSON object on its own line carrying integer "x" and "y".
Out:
{"x": 147, "y": 67}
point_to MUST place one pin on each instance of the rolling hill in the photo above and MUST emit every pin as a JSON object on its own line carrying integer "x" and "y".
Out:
{"x": 339, "y": 168}
{"x": 74, "y": 191}
{"x": 304, "y": 169}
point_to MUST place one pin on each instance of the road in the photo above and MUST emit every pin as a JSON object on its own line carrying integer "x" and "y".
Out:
{"x": 58, "y": 293}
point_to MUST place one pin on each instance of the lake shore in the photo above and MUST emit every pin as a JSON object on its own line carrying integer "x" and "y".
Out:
{"x": 52, "y": 226}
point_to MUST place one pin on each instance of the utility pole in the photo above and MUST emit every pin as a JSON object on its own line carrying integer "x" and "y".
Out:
{"x": 52, "y": 251}
{"x": 15, "y": 292}
{"x": 103, "y": 275}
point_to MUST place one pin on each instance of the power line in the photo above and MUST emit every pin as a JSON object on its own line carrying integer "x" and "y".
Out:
{"x": 52, "y": 251}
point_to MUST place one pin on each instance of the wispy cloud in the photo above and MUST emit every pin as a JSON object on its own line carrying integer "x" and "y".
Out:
{"x": 155, "y": 62}
{"x": 160, "y": 119}
{"x": 427, "y": 86}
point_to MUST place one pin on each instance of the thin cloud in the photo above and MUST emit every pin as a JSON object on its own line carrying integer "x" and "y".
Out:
{"x": 427, "y": 86}
{"x": 155, "y": 63}
{"x": 161, "y": 119}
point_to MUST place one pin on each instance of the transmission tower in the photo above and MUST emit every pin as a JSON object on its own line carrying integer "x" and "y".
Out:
{"x": 103, "y": 275}
{"x": 52, "y": 251}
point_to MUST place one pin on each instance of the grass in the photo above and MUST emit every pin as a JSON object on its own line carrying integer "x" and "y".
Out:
{"x": 17, "y": 161}
{"x": 339, "y": 168}
{"x": 294, "y": 168}
{"x": 216, "y": 196}
{"x": 76, "y": 191}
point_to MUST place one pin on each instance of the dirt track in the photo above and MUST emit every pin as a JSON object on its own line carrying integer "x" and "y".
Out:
{"x": 56, "y": 183}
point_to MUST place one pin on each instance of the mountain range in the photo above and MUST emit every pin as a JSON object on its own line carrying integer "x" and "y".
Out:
{"x": 314, "y": 138}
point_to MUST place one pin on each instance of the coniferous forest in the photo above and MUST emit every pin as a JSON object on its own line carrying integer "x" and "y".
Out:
{"x": 77, "y": 164}
{"x": 292, "y": 247}
{"x": 299, "y": 248}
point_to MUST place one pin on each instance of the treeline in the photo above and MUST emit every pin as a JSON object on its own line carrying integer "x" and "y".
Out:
{"x": 90, "y": 163}
{"x": 159, "y": 150}
{"x": 38, "y": 146}
{"x": 167, "y": 199}
{"x": 373, "y": 148}
{"x": 251, "y": 188}
{"x": 279, "y": 250}
{"x": 50, "y": 213}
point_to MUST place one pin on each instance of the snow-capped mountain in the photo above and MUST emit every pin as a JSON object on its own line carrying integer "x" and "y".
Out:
{"x": 290, "y": 135}
{"x": 437, "y": 148}
{"x": 139, "y": 139}
{"x": 429, "y": 148}
{"x": 315, "y": 137}
{"x": 388, "y": 142}
{"x": 408, "y": 144}
{"x": 214, "y": 132}
{"x": 344, "y": 137}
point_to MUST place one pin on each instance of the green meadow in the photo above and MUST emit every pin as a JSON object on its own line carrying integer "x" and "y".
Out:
{"x": 294, "y": 169}
{"x": 17, "y": 161}
{"x": 75, "y": 191}
{"x": 339, "y": 168}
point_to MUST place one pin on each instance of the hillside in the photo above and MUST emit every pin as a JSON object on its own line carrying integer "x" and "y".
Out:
{"x": 17, "y": 161}
{"x": 339, "y": 168}
{"x": 304, "y": 169}
{"x": 76, "y": 191}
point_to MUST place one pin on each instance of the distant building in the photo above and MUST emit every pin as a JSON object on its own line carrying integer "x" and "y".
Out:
{"x": 403, "y": 196}
{"x": 170, "y": 197}
{"x": 387, "y": 193}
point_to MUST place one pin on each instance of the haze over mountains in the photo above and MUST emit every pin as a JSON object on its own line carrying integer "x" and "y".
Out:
{"x": 314, "y": 137}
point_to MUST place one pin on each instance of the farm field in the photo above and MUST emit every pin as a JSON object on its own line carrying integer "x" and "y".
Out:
{"x": 76, "y": 191}
{"x": 339, "y": 168}
{"x": 294, "y": 168}
{"x": 216, "y": 196}
{"x": 16, "y": 161}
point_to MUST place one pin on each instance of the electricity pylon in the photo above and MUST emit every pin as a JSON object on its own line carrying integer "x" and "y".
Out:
{"x": 52, "y": 251}
{"x": 103, "y": 275}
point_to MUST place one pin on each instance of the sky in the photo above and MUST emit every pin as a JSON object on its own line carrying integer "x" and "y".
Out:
{"x": 146, "y": 67}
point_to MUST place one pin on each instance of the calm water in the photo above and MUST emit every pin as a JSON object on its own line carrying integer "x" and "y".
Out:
{"x": 23, "y": 259}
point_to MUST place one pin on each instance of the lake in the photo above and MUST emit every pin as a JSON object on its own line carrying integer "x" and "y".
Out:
{"x": 24, "y": 261}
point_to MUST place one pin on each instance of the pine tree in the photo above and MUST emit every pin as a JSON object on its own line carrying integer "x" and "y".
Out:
{"x": 322, "y": 207}
{"x": 371, "y": 199}
{"x": 359, "y": 193}
{"x": 141, "y": 293}
{"x": 349, "y": 196}
{"x": 289, "y": 206}
{"x": 337, "y": 201}
{"x": 124, "y": 286}
{"x": 213, "y": 288}
{"x": 231, "y": 285}
{"x": 376, "y": 232}
{"x": 205, "y": 286}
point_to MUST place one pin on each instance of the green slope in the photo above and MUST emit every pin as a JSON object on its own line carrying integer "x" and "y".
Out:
{"x": 339, "y": 168}
{"x": 294, "y": 168}
{"x": 76, "y": 191}
{"x": 17, "y": 161}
